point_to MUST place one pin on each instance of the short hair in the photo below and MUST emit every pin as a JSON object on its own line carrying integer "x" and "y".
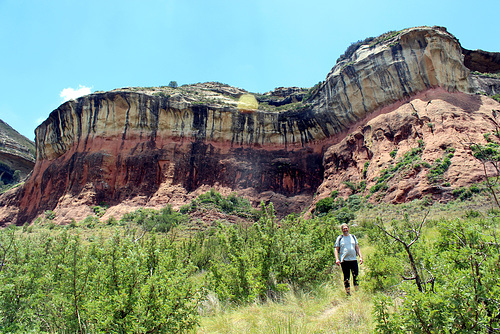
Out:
{"x": 342, "y": 226}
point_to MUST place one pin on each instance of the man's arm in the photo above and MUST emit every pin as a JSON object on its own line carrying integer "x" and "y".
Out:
{"x": 358, "y": 251}
{"x": 337, "y": 261}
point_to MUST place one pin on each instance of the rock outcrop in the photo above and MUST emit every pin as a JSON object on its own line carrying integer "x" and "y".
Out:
{"x": 16, "y": 153}
{"x": 482, "y": 61}
{"x": 152, "y": 146}
{"x": 400, "y": 154}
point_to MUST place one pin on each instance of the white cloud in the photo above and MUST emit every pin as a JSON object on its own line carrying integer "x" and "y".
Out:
{"x": 71, "y": 93}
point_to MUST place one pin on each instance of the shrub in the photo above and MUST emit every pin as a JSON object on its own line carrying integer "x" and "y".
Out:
{"x": 379, "y": 186}
{"x": 463, "y": 193}
{"x": 99, "y": 210}
{"x": 355, "y": 187}
{"x": 158, "y": 220}
{"x": 112, "y": 221}
{"x": 91, "y": 221}
{"x": 439, "y": 168}
{"x": 231, "y": 204}
{"x": 324, "y": 205}
{"x": 258, "y": 262}
{"x": 50, "y": 215}
{"x": 475, "y": 189}
{"x": 365, "y": 169}
{"x": 113, "y": 286}
{"x": 464, "y": 293}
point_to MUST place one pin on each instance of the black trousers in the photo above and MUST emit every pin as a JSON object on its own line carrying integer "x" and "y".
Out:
{"x": 347, "y": 267}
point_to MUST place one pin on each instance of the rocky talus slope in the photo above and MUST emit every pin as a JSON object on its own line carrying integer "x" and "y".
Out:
{"x": 154, "y": 146}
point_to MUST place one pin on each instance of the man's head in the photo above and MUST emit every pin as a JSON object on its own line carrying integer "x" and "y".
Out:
{"x": 345, "y": 229}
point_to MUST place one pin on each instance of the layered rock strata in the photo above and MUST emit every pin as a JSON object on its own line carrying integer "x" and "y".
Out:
{"x": 16, "y": 153}
{"x": 152, "y": 146}
{"x": 389, "y": 69}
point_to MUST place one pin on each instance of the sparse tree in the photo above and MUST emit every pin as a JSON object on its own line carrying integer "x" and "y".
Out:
{"x": 407, "y": 235}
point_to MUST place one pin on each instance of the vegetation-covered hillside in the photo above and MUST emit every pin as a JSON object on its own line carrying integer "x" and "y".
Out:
{"x": 165, "y": 271}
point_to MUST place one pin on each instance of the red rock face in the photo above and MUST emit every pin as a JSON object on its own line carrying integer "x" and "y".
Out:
{"x": 436, "y": 120}
{"x": 136, "y": 171}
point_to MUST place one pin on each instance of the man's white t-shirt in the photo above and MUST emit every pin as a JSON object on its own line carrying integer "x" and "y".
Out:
{"x": 347, "y": 251}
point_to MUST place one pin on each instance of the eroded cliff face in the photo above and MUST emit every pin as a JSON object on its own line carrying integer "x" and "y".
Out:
{"x": 153, "y": 146}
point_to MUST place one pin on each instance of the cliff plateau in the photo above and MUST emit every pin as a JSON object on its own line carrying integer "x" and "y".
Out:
{"x": 133, "y": 147}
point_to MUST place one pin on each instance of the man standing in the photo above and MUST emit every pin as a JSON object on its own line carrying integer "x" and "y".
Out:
{"x": 347, "y": 247}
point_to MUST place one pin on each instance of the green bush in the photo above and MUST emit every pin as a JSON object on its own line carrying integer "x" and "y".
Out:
{"x": 60, "y": 284}
{"x": 439, "y": 167}
{"x": 260, "y": 261}
{"x": 231, "y": 204}
{"x": 158, "y": 220}
{"x": 100, "y": 210}
{"x": 464, "y": 296}
{"x": 365, "y": 169}
{"x": 342, "y": 211}
{"x": 462, "y": 193}
{"x": 91, "y": 221}
{"x": 324, "y": 205}
{"x": 379, "y": 186}
{"x": 50, "y": 215}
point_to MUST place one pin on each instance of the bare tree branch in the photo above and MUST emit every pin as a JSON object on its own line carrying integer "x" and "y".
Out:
{"x": 416, "y": 231}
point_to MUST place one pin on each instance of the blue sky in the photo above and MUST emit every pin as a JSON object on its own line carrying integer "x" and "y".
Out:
{"x": 52, "y": 46}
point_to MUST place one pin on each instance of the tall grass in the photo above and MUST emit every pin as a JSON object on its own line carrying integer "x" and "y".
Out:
{"x": 325, "y": 309}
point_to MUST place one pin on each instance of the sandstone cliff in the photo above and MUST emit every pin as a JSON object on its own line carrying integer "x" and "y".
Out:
{"x": 152, "y": 146}
{"x": 16, "y": 153}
